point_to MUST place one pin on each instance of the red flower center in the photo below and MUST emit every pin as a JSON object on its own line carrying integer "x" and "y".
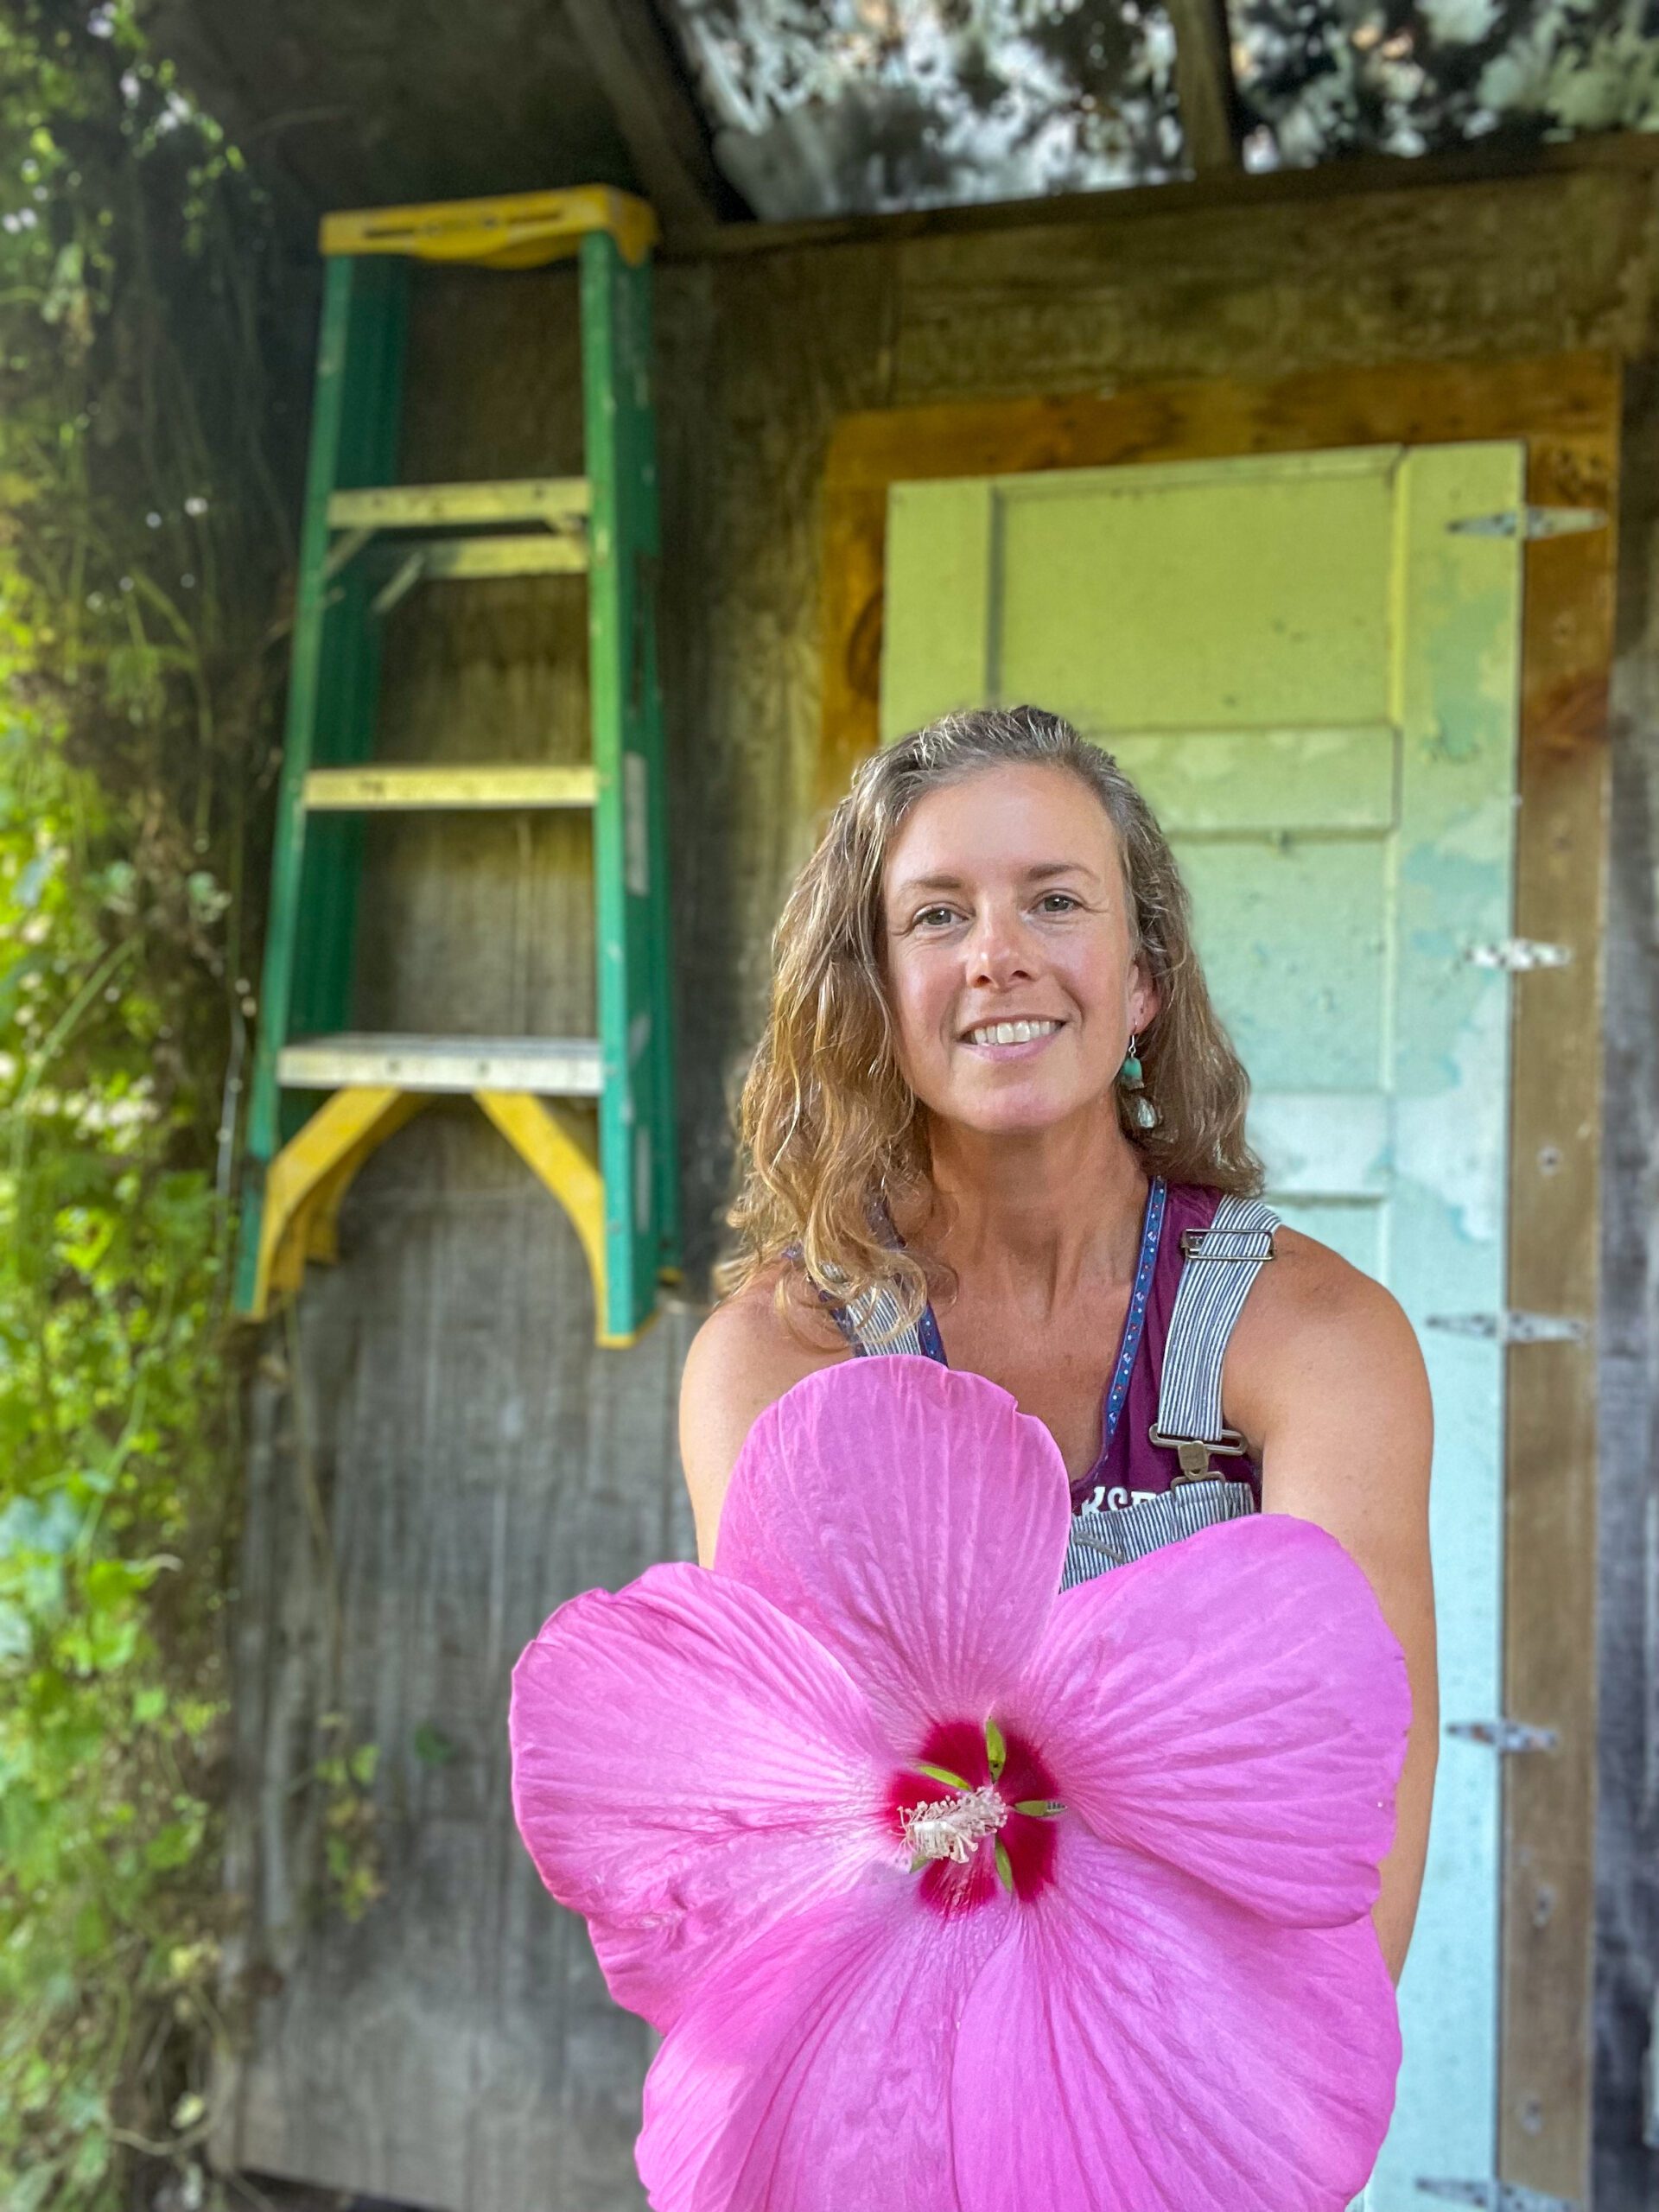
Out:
{"x": 960, "y": 1765}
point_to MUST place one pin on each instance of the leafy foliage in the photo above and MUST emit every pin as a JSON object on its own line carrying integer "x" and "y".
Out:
{"x": 148, "y": 368}
{"x": 823, "y": 105}
{"x": 1327, "y": 78}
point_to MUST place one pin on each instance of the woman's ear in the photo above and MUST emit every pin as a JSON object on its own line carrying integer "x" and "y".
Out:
{"x": 1144, "y": 999}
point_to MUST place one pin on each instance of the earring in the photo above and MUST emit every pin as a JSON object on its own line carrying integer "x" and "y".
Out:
{"x": 1142, "y": 1112}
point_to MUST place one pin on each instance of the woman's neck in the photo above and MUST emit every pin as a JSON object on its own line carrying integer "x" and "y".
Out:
{"x": 1034, "y": 1217}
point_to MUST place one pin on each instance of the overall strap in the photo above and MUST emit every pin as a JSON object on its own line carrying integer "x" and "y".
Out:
{"x": 1222, "y": 1261}
{"x": 875, "y": 1323}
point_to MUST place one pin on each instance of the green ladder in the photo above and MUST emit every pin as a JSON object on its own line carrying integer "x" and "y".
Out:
{"x": 592, "y": 1117}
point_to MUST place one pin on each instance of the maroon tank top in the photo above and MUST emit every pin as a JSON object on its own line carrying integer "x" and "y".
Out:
{"x": 1129, "y": 1466}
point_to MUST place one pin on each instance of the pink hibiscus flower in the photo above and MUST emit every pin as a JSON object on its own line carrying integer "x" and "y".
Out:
{"x": 949, "y": 1893}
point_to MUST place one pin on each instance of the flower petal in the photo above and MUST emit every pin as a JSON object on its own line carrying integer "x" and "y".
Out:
{"x": 915, "y": 1521}
{"x": 689, "y": 1767}
{"x": 812, "y": 2073}
{"x": 1142, "y": 2046}
{"x": 1235, "y": 1704}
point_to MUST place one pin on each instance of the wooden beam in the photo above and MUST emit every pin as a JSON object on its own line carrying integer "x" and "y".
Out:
{"x": 1328, "y": 183}
{"x": 1550, "y": 1555}
{"x": 661, "y": 124}
{"x": 1204, "y": 87}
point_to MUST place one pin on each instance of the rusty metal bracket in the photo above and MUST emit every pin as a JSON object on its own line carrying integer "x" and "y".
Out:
{"x": 1528, "y": 523}
{"x": 1510, "y": 1328}
{"x": 1518, "y": 955}
{"x": 1499, "y": 2195}
{"x": 1505, "y": 1736}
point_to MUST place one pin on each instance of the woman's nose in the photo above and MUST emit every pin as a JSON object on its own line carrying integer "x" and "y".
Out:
{"x": 998, "y": 950}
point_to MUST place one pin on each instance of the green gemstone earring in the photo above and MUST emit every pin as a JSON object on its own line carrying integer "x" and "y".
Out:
{"x": 1142, "y": 1112}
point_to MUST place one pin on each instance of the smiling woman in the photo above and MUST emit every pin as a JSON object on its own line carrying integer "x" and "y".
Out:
{"x": 995, "y": 1120}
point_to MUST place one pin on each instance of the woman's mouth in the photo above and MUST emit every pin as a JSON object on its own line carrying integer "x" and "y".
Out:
{"x": 1004, "y": 1034}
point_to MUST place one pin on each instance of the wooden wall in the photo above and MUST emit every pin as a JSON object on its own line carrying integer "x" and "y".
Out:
{"x": 439, "y": 1406}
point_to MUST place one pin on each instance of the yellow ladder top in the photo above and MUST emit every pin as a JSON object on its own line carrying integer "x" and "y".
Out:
{"x": 521, "y": 231}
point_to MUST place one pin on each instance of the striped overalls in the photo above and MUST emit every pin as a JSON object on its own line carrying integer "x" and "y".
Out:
{"x": 1153, "y": 1482}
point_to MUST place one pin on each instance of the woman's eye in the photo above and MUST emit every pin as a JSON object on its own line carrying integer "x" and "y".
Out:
{"x": 1057, "y": 902}
{"x": 935, "y": 918}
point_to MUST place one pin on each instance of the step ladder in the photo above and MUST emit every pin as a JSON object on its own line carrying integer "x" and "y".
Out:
{"x": 592, "y": 1117}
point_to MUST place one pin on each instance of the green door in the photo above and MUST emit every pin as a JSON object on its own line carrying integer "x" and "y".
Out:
{"x": 1310, "y": 664}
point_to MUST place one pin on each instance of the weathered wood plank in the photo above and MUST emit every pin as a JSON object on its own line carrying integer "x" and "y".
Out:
{"x": 760, "y": 365}
{"x": 1549, "y": 1599}
{"x": 1314, "y": 190}
{"x": 1541, "y": 265}
{"x": 478, "y": 1463}
{"x": 1625, "y": 2167}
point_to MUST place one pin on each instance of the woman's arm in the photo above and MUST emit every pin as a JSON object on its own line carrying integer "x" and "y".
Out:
{"x": 1331, "y": 1387}
{"x": 743, "y": 1359}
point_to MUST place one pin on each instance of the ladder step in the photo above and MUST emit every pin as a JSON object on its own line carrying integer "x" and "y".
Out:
{"x": 554, "y": 1067}
{"x": 444, "y": 558}
{"x": 522, "y": 230}
{"x": 363, "y": 789}
{"x": 448, "y": 560}
{"x": 560, "y": 502}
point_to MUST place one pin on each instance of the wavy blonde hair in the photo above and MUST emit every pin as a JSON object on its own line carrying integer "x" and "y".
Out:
{"x": 833, "y": 1140}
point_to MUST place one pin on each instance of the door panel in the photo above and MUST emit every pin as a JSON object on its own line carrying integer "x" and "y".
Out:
{"x": 1313, "y": 678}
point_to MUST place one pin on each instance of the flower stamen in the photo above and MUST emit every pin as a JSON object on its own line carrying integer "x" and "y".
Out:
{"x": 954, "y": 1828}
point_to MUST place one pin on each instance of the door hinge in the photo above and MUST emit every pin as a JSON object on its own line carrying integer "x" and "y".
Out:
{"x": 1499, "y": 2195}
{"x": 1510, "y": 1328}
{"x": 1518, "y": 955}
{"x": 1530, "y": 523}
{"x": 1505, "y": 1735}
{"x": 1650, "y": 2079}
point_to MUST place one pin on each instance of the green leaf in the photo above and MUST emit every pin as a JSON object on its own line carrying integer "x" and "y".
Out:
{"x": 173, "y": 1845}
{"x": 91, "y": 2161}
{"x": 1004, "y": 1867}
{"x": 1039, "y": 1809}
{"x": 432, "y": 1747}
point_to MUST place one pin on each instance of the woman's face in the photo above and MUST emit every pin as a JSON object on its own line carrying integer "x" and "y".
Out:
{"x": 1008, "y": 955}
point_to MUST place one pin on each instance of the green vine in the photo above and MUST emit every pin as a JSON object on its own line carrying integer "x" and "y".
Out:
{"x": 150, "y": 397}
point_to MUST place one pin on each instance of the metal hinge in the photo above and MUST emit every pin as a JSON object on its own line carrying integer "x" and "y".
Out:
{"x": 1510, "y": 1328}
{"x": 1530, "y": 522}
{"x": 1650, "y": 2079}
{"x": 1518, "y": 955}
{"x": 1505, "y": 1735}
{"x": 1499, "y": 2195}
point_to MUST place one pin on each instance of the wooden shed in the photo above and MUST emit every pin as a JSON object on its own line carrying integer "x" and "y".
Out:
{"x": 1324, "y": 496}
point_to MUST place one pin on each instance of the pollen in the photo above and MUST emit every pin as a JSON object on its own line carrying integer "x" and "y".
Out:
{"x": 953, "y": 1827}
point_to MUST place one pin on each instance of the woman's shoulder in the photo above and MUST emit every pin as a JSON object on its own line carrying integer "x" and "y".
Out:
{"x": 771, "y": 1330}
{"x": 1316, "y": 1325}
{"x": 753, "y": 1346}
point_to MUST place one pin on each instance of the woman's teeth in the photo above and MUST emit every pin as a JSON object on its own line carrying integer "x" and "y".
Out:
{"x": 1011, "y": 1032}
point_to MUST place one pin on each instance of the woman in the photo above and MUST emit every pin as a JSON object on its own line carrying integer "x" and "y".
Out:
{"x": 995, "y": 1120}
